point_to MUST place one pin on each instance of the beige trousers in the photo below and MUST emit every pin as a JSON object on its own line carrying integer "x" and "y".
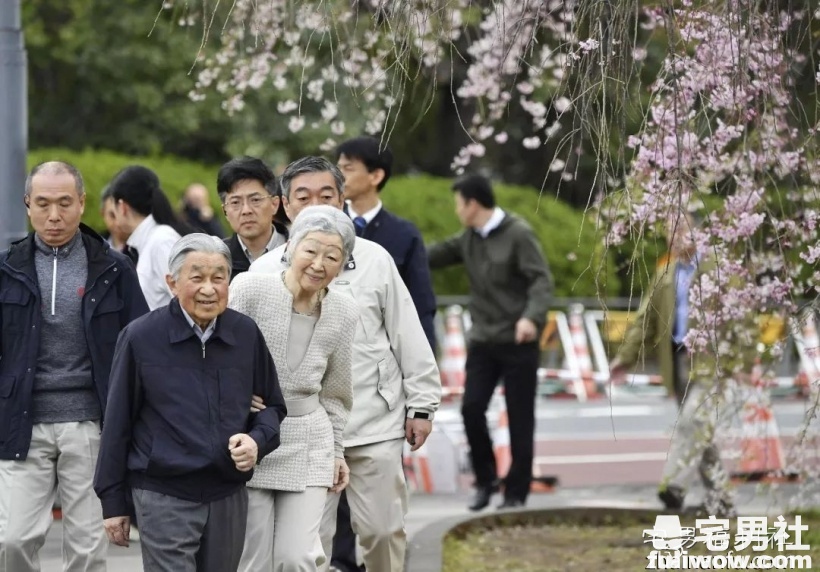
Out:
{"x": 377, "y": 495}
{"x": 283, "y": 531}
{"x": 65, "y": 453}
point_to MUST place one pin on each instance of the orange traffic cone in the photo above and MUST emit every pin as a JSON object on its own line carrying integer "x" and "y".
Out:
{"x": 454, "y": 359}
{"x": 503, "y": 454}
{"x": 761, "y": 453}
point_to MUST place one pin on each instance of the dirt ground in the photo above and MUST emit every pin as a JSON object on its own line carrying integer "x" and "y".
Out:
{"x": 615, "y": 546}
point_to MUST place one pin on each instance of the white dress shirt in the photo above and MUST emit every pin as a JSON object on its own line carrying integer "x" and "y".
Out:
{"x": 368, "y": 216}
{"x": 276, "y": 239}
{"x": 153, "y": 243}
{"x": 492, "y": 223}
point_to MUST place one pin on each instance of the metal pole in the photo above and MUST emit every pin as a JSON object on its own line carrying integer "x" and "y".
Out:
{"x": 13, "y": 124}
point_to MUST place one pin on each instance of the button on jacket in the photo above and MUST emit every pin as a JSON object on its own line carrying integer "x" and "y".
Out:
{"x": 111, "y": 299}
{"x": 174, "y": 403}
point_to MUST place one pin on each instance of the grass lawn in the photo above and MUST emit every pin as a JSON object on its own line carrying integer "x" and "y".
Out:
{"x": 585, "y": 540}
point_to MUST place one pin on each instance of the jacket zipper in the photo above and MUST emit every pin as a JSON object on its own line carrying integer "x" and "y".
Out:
{"x": 54, "y": 283}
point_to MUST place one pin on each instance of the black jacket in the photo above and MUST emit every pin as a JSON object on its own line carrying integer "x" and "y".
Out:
{"x": 175, "y": 402}
{"x": 238, "y": 258}
{"x": 403, "y": 241}
{"x": 112, "y": 299}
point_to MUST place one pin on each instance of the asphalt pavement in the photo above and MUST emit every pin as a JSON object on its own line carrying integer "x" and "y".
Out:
{"x": 605, "y": 453}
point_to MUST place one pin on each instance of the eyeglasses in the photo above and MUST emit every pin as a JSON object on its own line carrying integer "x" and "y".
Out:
{"x": 254, "y": 201}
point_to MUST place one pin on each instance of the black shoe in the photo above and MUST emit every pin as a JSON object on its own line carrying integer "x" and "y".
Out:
{"x": 511, "y": 503}
{"x": 672, "y": 497}
{"x": 482, "y": 497}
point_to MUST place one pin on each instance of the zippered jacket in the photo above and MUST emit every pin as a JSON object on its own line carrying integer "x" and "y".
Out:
{"x": 112, "y": 298}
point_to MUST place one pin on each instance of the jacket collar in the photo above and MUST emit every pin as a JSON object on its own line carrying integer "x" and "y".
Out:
{"x": 21, "y": 254}
{"x": 180, "y": 330}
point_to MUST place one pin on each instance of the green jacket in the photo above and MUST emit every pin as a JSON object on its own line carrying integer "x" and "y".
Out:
{"x": 509, "y": 277}
{"x": 651, "y": 330}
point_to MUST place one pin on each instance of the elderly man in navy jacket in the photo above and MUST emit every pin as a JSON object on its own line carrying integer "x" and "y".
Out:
{"x": 64, "y": 297}
{"x": 180, "y": 433}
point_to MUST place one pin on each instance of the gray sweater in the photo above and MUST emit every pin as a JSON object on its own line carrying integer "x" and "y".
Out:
{"x": 63, "y": 382}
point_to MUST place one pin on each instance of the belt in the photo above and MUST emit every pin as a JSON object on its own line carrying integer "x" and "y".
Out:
{"x": 303, "y": 406}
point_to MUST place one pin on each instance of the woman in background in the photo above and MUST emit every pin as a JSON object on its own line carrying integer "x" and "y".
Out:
{"x": 145, "y": 217}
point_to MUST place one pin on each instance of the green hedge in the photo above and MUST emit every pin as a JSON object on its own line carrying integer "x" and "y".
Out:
{"x": 569, "y": 241}
{"x": 99, "y": 167}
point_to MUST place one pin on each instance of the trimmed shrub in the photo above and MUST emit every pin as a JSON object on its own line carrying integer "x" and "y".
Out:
{"x": 569, "y": 240}
{"x": 99, "y": 167}
{"x": 571, "y": 245}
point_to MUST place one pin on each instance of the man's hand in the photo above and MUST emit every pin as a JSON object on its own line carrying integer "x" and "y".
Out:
{"x": 617, "y": 372}
{"x": 243, "y": 451}
{"x": 341, "y": 475}
{"x": 525, "y": 331}
{"x": 257, "y": 404}
{"x": 416, "y": 431}
{"x": 118, "y": 529}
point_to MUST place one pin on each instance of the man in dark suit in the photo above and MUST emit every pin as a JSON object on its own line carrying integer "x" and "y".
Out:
{"x": 367, "y": 165}
{"x": 250, "y": 197}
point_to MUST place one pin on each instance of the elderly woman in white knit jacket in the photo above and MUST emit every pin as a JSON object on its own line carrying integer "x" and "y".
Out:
{"x": 309, "y": 330}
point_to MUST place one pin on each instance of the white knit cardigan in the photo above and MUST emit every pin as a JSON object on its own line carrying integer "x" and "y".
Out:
{"x": 308, "y": 443}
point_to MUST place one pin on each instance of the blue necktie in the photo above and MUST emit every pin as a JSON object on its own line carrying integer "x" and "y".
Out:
{"x": 360, "y": 225}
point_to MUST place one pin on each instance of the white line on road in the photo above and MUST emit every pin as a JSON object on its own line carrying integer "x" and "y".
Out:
{"x": 591, "y": 459}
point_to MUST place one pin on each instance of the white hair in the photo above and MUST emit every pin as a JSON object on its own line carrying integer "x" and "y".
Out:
{"x": 196, "y": 242}
{"x": 326, "y": 219}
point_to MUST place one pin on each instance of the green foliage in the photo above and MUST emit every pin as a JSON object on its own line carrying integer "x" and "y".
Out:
{"x": 112, "y": 75}
{"x": 569, "y": 239}
{"x": 99, "y": 167}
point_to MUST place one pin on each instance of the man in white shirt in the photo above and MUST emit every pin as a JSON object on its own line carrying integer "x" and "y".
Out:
{"x": 396, "y": 383}
{"x": 250, "y": 198}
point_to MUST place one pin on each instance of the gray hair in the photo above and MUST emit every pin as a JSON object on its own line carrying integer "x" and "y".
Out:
{"x": 56, "y": 168}
{"x": 310, "y": 164}
{"x": 196, "y": 242}
{"x": 326, "y": 219}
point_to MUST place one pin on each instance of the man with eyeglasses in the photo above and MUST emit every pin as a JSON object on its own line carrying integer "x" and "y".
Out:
{"x": 250, "y": 198}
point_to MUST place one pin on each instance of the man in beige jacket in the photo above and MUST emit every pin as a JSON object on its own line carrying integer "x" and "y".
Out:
{"x": 396, "y": 383}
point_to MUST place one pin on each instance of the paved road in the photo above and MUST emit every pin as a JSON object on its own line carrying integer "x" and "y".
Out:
{"x": 602, "y": 442}
{"x": 589, "y": 446}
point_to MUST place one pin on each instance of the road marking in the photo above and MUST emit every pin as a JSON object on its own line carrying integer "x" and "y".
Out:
{"x": 592, "y": 459}
{"x": 607, "y": 411}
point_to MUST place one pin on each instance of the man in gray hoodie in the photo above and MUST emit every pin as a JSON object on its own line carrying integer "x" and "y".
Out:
{"x": 64, "y": 297}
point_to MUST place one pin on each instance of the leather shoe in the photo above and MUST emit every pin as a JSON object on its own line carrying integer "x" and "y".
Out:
{"x": 511, "y": 503}
{"x": 672, "y": 497}
{"x": 482, "y": 497}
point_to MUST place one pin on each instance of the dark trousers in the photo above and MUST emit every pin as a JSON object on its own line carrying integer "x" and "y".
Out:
{"x": 680, "y": 371}
{"x": 344, "y": 542}
{"x": 517, "y": 365}
{"x": 184, "y": 536}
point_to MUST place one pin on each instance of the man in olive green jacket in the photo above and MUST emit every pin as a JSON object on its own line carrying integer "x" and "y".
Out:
{"x": 659, "y": 327}
{"x": 511, "y": 289}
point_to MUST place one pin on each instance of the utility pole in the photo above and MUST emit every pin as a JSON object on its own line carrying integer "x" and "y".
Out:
{"x": 13, "y": 124}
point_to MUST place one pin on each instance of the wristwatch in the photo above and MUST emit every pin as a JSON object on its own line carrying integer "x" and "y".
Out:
{"x": 420, "y": 415}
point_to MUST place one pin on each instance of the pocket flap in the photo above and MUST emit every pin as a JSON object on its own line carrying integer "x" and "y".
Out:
{"x": 6, "y": 385}
{"x": 18, "y": 296}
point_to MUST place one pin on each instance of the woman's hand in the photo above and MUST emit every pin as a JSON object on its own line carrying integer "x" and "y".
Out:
{"x": 341, "y": 475}
{"x": 257, "y": 404}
